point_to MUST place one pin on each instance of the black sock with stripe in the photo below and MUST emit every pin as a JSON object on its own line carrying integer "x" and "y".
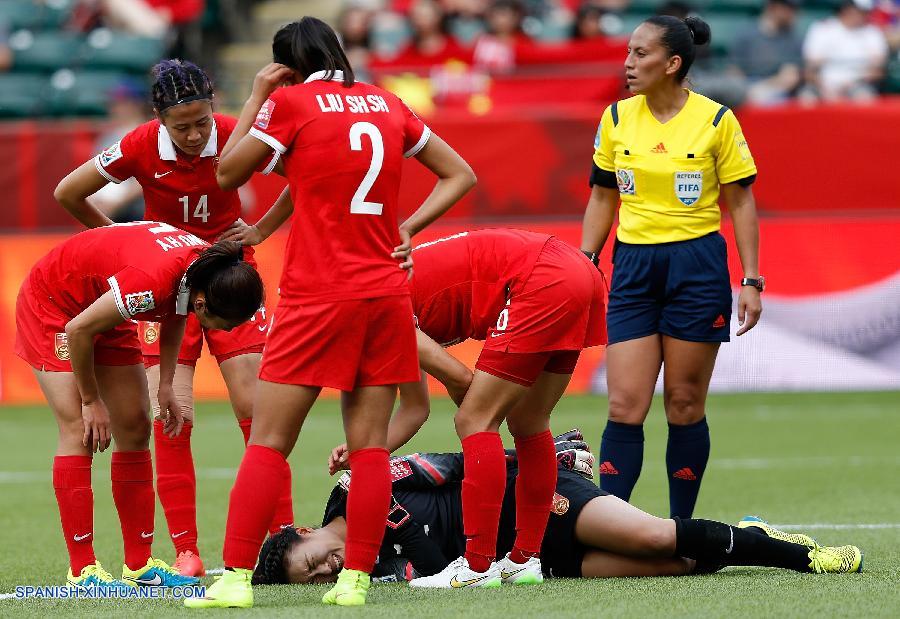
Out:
{"x": 715, "y": 544}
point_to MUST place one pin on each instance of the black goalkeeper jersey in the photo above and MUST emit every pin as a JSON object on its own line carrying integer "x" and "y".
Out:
{"x": 424, "y": 528}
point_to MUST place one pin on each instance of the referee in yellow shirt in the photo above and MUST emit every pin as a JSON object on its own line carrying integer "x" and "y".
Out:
{"x": 666, "y": 153}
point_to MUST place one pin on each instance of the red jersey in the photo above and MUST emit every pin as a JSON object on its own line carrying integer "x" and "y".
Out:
{"x": 343, "y": 151}
{"x": 142, "y": 262}
{"x": 461, "y": 283}
{"x": 178, "y": 189}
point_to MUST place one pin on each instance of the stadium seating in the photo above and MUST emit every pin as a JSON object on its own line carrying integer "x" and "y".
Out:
{"x": 22, "y": 95}
{"x": 81, "y": 93}
{"x": 31, "y": 15}
{"x": 43, "y": 51}
{"x": 107, "y": 49}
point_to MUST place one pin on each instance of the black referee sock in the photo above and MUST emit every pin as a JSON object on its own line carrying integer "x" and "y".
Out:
{"x": 715, "y": 543}
{"x": 621, "y": 457}
{"x": 687, "y": 453}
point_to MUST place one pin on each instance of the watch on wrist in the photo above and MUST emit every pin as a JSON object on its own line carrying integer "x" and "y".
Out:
{"x": 758, "y": 282}
{"x": 593, "y": 256}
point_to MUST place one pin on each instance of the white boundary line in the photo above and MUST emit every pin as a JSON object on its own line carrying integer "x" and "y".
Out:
{"x": 814, "y": 525}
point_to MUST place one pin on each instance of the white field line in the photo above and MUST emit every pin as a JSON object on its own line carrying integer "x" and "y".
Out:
{"x": 29, "y": 477}
{"x": 839, "y": 527}
{"x": 815, "y": 525}
{"x": 799, "y": 462}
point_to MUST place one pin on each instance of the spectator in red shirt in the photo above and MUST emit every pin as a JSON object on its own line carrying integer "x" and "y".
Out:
{"x": 432, "y": 43}
{"x": 497, "y": 51}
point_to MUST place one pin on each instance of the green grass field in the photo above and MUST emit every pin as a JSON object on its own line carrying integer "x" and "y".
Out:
{"x": 830, "y": 461}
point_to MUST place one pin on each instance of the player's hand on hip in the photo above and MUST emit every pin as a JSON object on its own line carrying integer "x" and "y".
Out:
{"x": 269, "y": 78}
{"x": 749, "y": 309}
{"x": 403, "y": 252}
{"x": 242, "y": 233}
{"x": 170, "y": 411}
{"x": 338, "y": 458}
{"x": 97, "y": 434}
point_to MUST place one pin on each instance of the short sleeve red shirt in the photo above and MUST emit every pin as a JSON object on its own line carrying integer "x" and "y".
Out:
{"x": 461, "y": 283}
{"x": 143, "y": 263}
{"x": 178, "y": 189}
{"x": 343, "y": 151}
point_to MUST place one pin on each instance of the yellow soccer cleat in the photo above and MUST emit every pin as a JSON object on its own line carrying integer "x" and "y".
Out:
{"x": 835, "y": 559}
{"x": 350, "y": 590}
{"x": 230, "y": 590}
{"x": 94, "y": 575}
{"x": 752, "y": 522}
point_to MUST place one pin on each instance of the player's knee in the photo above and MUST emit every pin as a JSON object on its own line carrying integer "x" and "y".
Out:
{"x": 71, "y": 433}
{"x": 627, "y": 407}
{"x": 684, "y": 405}
{"x": 468, "y": 422}
{"x": 134, "y": 433}
{"x": 658, "y": 540}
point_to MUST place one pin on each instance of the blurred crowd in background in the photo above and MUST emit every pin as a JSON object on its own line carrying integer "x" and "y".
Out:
{"x": 79, "y": 57}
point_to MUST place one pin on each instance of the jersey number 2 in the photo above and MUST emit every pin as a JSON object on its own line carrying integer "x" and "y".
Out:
{"x": 200, "y": 212}
{"x": 359, "y": 205}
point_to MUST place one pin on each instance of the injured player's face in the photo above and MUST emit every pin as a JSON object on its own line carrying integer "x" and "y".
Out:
{"x": 315, "y": 558}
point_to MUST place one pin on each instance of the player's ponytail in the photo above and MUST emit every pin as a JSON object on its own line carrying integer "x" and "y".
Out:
{"x": 233, "y": 288}
{"x": 270, "y": 567}
{"x": 178, "y": 81}
{"x": 310, "y": 45}
{"x": 681, "y": 37}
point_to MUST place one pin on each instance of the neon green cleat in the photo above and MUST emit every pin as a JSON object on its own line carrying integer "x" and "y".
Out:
{"x": 835, "y": 559}
{"x": 94, "y": 575}
{"x": 752, "y": 522}
{"x": 230, "y": 590}
{"x": 350, "y": 590}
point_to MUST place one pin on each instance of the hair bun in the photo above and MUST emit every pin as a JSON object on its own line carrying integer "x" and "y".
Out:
{"x": 700, "y": 31}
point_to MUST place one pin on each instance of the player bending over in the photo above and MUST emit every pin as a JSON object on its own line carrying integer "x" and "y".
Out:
{"x": 536, "y": 302}
{"x": 76, "y": 326}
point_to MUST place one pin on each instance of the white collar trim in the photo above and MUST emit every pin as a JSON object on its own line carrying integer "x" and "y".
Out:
{"x": 166, "y": 146}
{"x": 320, "y": 75}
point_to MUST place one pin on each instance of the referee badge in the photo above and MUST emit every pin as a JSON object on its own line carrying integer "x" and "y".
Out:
{"x": 688, "y": 186}
{"x": 625, "y": 180}
{"x": 560, "y": 504}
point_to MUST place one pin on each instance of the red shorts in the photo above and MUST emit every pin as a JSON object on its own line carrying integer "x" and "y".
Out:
{"x": 41, "y": 335}
{"x": 342, "y": 344}
{"x": 560, "y": 306}
{"x": 524, "y": 368}
{"x": 249, "y": 337}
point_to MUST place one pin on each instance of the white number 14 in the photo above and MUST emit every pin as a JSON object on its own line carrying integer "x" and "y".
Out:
{"x": 200, "y": 212}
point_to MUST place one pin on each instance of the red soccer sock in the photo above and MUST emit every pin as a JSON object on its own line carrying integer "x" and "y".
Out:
{"x": 284, "y": 511}
{"x": 368, "y": 503}
{"x": 176, "y": 484}
{"x": 132, "y": 489}
{"x": 72, "y": 485}
{"x": 484, "y": 483}
{"x": 259, "y": 483}
{"x": 535, "y": 486}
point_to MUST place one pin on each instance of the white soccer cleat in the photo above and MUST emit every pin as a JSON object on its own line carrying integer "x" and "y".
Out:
{"x": 458, "y": 575}
{"x": 528, "y": 573}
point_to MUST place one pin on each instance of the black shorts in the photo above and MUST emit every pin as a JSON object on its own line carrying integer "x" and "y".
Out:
{"x": 679, "y": 289}
{"x": 561, "y": 554}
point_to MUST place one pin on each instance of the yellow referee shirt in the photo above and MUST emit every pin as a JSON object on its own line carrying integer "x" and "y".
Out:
{"x": 668, "y": 174}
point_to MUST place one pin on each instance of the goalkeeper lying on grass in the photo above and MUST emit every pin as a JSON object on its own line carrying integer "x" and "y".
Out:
{"x": 590, "y": 534}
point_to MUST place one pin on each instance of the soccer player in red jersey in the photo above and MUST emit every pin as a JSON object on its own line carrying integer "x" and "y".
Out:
{"x": 536, "y": 302}
{"x": 75, "y": 325}
{"x": 344, "y": 319}
{"x": 174, "y": 158}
